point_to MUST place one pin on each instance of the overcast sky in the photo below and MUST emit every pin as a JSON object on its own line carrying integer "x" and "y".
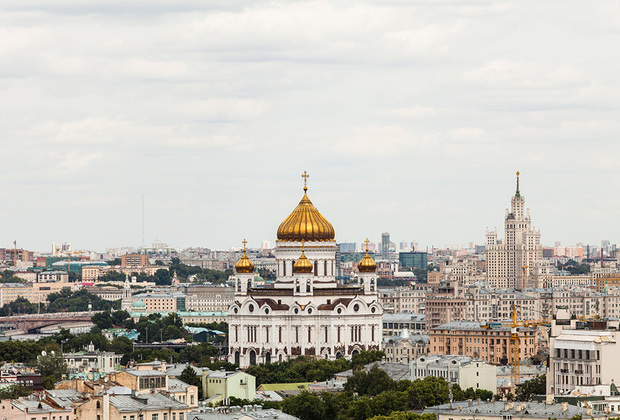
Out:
{"x": 410, "y": 116}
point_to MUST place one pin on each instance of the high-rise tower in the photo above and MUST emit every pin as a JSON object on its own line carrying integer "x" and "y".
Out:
{"x": 517, "y": 261}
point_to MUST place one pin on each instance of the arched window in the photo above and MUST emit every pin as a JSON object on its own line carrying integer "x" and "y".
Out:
{"x": 316, "y": 268}
{"x": 238, "y": 285}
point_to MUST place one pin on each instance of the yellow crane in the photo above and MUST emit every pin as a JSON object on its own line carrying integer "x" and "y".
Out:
{"x": 515, "y": 344}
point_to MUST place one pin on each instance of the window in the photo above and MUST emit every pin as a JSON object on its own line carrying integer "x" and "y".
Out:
{"x": 181, "y": 416}
{"x": 154, "y": 416}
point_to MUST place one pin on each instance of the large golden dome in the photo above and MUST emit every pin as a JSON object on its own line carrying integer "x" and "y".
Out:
{"x": 305, "y": 223}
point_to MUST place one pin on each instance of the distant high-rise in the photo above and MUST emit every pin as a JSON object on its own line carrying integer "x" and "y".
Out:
{"x": 385, "y": 245}
{"x": 517, "y": 261}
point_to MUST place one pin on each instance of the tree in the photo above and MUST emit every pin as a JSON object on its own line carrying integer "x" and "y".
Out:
{"x": 536, "y": 386}
{"x": 52, "y": 367}
{"x": 305, "y": 406}
{"x": 373, "y": 382}
{"x": 190, "y": 377}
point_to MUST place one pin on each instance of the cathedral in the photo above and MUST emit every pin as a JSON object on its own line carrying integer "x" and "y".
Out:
{"x": 306, "y": 311}
{"x": 517, "y": 261}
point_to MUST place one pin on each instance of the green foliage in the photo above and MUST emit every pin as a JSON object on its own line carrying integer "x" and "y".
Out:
{"x": 52, "y": 367}
{"x": 401, "y": 415}
{"x": 20, "y": 351}
{"x": 535, "y": 386}
{"x": 306, "y": 406}
{"x": 115, "y": 261}
{"x": 68, "y": 301}
{"x": 373, "y": 382}
{"x": 112, "y": 276}
{"x": 203, "y": 274}
{"x": 308, "y": 369}
{"x": 190, "y": 377}
{"x": 108, "y": 319}
{"x": 21, "y": 305}
{"x": 13, "y": 392}
{"x": 7, "y": 276}
{"x": 574, "y": 268}
{"x": 158, "y": 328}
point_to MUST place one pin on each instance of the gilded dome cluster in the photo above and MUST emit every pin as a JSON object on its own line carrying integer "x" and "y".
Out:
{"x": 305, "y": 223}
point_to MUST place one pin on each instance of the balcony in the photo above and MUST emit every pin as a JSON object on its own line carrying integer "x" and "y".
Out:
{"x": 563, "y": 370}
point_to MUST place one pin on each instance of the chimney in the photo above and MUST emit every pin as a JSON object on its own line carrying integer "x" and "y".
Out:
{"x": 549, "y": 399}
{"x": 589, "y": 411}
{"x": 564, "y": 406}
{"x": 506, "y": 407}
{"x": 512, "y": 404}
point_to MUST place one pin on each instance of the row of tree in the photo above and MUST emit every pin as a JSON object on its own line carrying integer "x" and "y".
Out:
{"x": 62, "y": 301}
{"x": 308, "y": 369}
{"x": 374, "y": 393}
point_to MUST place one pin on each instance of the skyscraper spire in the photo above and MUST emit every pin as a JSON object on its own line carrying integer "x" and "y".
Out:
{"x": 517, "y": 194}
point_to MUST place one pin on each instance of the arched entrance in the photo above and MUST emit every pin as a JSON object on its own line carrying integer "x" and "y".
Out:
{"x": 339, "y": 355}
{"x": 237, "y": 357}
{"x": 267, "y": 357}
{"x": 252, "y": 357}
{"x": 355, "y": 352}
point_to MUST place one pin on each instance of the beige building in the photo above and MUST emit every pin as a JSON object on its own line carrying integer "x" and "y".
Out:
{"x": 470, "y": 338}
{"x": 405, "y": 347}
{"x": 461, "y": 370}
{"x": 208, "y": 297}
{"x": 402, "y": 299}
{"x": 34, "y": 292}
{"x": 134, "y": 260}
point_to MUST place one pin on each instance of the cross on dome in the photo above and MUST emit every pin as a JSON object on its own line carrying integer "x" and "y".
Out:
{"x": 305, "y": 176}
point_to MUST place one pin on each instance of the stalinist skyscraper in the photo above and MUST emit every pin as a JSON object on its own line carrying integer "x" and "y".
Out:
{"x": 517, "y": 261}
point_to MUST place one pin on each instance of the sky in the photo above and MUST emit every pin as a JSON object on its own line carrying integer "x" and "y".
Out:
{"x": 411, "y": 117}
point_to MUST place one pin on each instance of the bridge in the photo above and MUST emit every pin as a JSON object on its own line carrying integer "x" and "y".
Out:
{"x": 35, "y": 321}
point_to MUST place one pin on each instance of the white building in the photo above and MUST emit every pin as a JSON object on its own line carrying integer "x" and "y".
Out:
{"x": 91, "y": 360}
{"x": 461, "y": 370}
{"x": 517, "y": 261}
{"x": 306, "y": 311}
{"x": 582, "y": 357}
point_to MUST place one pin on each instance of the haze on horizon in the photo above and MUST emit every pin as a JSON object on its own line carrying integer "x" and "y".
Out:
{"x": 410, "y": 117}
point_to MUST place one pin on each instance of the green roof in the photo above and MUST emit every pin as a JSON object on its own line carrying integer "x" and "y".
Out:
{"x": 284, "y": 387}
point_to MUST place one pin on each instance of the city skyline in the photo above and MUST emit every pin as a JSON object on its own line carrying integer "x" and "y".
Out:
{"x": 410, "y": 118}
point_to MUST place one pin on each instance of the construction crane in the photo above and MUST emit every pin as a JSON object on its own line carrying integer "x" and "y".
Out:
{"x": 69, "y": 253}
{"x": 515, "y": 344}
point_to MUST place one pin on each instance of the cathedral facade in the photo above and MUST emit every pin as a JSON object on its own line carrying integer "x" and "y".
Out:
{"x": 517, "y": 261}
{"x": 306, "y": 311}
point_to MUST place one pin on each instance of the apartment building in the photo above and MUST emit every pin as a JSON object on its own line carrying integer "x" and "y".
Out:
{"x": 393, "y": 324}
{"x": 402, "y": 299}
{"x": 479, "y": 341}
{"x": 203, "y": 297}
{"x": 461, "y": 370}
{"x": 582, "y": 354}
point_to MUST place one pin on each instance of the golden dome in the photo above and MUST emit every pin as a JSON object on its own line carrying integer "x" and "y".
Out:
{"x": 302, "y": 265}
{"x": 367, "y": 264}
{"x": 244, "y": 265}
{"x": 305, "y": 223}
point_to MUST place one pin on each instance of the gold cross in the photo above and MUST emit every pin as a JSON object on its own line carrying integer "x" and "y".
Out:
{"x": 305, "y": 176}
{"x": 366, "y": 244}
{"x": 244, "y": 242}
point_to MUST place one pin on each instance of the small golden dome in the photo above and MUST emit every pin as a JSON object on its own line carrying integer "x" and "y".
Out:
{"x": 244, "y": 265}
{"x": 367, "y": 264}
{"x": 305, "y": 223}
{"x": 302, "y": 265}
